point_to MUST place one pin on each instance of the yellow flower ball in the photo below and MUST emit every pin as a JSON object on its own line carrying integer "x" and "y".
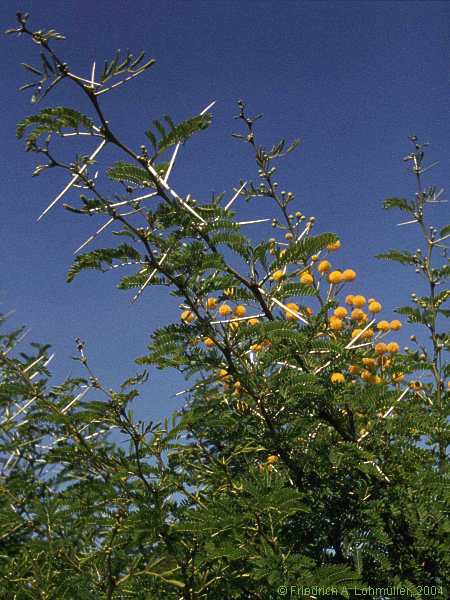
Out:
{"x": 314, "y": 258}
{"x": 209, "y": 342}
{"x": 256, "y": 347}
{"x": 415, "y": 385}
{"x": 380, "y": 348}
{"x": 348, "y": 275}
{"x": 335, "y": 323}
{"x": 398, "y": 377}
{"x": 324, "y": 266}
{"x": 383, "y": 326}
{"x": 354, "y": 370}
{"x": 277, "y": 275}
{"x": 240, "y": 310}
{"x": 370, "y": 363}
{"x": 337, "y": 378}
{"x": 294, "y": 307}
{"x": 368, "y": 334}
{"x": 340, "y": 312}
{"x": 393, "y": 347}
{"x": 306, "y": 278}
{"x": 309, "y": 311}
{"x": 366, "y": 375}
{"x": 238, "y": 387}
{"x": 225, "y": 309}
{"x": 384, "y": 361}
{"x": 211, "y": 303}
{"x": 272, "y": 459}
{"x": 358, "y": 314}
{"x": 334, "y": 246}
{"x": 375, "y": 379}
{"x": 356, "y": 332}
{"x": 349, "y": 299}
{"x": 395, "y": 325}
{"x": 223, "y": 374}
{"x": 187, "y": 316}
{"x": 335, "y": 277}
{"x": 375, "y": 307}
{"x": 358, "y": 301}
{"x": 253, "y": 321}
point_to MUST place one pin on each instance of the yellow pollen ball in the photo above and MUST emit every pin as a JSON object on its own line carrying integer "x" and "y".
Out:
{"x": 309, "y": 311}
{"x": 337, "y": 378}
{"x": 272, "y": 459}
{"x": 238, "y": 387}
{"x": 380, "y": 348}
{"x": 415, "y": 385}
{"x": 256, "y": 347}
{"x": 225, "y": 310}
{"x": 335, "y": 323}
{"x": 223, "y": 374}
{"x": 253, "y": 321}
{"x": 395, "y": 325}
{"x": 334, "y": 246}
{"x": 375, "y": 379}
{"x": 398, "y": 377}
{"x": 335, "y": 277}
{"x": 349, "y": 299}
{"x": 294, "y": 307}
{"x": 369, "y": 362}
{"x": 375, "y": 307}
{"x": 356, "y": 332}
{"x": 366, "y": 375}
{"x": 211, "y": 303}
{"x": 340, "y": 312}
{"x": 277, "y": 275}
{"x": 354, "y": 369}
{"x": 187, "y": 316}
{"x": 393, "y": 347}
{"x": 306, "y": 279}
{"x": 208, "y": 342}
{"x": 383, "y": 326}
{"x": 357, "y": 314}
{"x": 324, "y": 266}
{"x": 367, "y": 335}
{"x": 384, "y": 361}
{"x": 240, "y": 310}
{"x": 358, "y": 301}
{"x": 314, "y": 258}
{"x": 348, "y": 275}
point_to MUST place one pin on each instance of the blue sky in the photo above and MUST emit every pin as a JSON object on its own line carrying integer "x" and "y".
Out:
{"x": 352, "y": 79}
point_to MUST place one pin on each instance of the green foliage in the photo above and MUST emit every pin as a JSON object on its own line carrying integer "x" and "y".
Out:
{"x": 176, "y": 133}
{"x": 97, "y": 258}
{"x": 300, "y": 455}
{"x": 52, "y": 120}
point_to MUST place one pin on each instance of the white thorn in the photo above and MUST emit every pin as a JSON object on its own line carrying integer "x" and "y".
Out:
{"x": 73, "y": 180}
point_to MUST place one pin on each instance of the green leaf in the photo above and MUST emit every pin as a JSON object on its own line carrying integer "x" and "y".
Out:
{"x": 400, "y": 203}
{"x": 406, "y": 258}
{"x": 52, "y": 120}
{"x": 95, "y": 259}
{"x": 177, "y": 133}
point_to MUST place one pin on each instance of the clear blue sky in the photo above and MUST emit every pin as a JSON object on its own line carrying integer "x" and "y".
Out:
{"x": 352, "y": 79}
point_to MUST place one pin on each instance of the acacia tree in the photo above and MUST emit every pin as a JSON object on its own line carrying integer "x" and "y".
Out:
{"x": 308, "y": 451}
